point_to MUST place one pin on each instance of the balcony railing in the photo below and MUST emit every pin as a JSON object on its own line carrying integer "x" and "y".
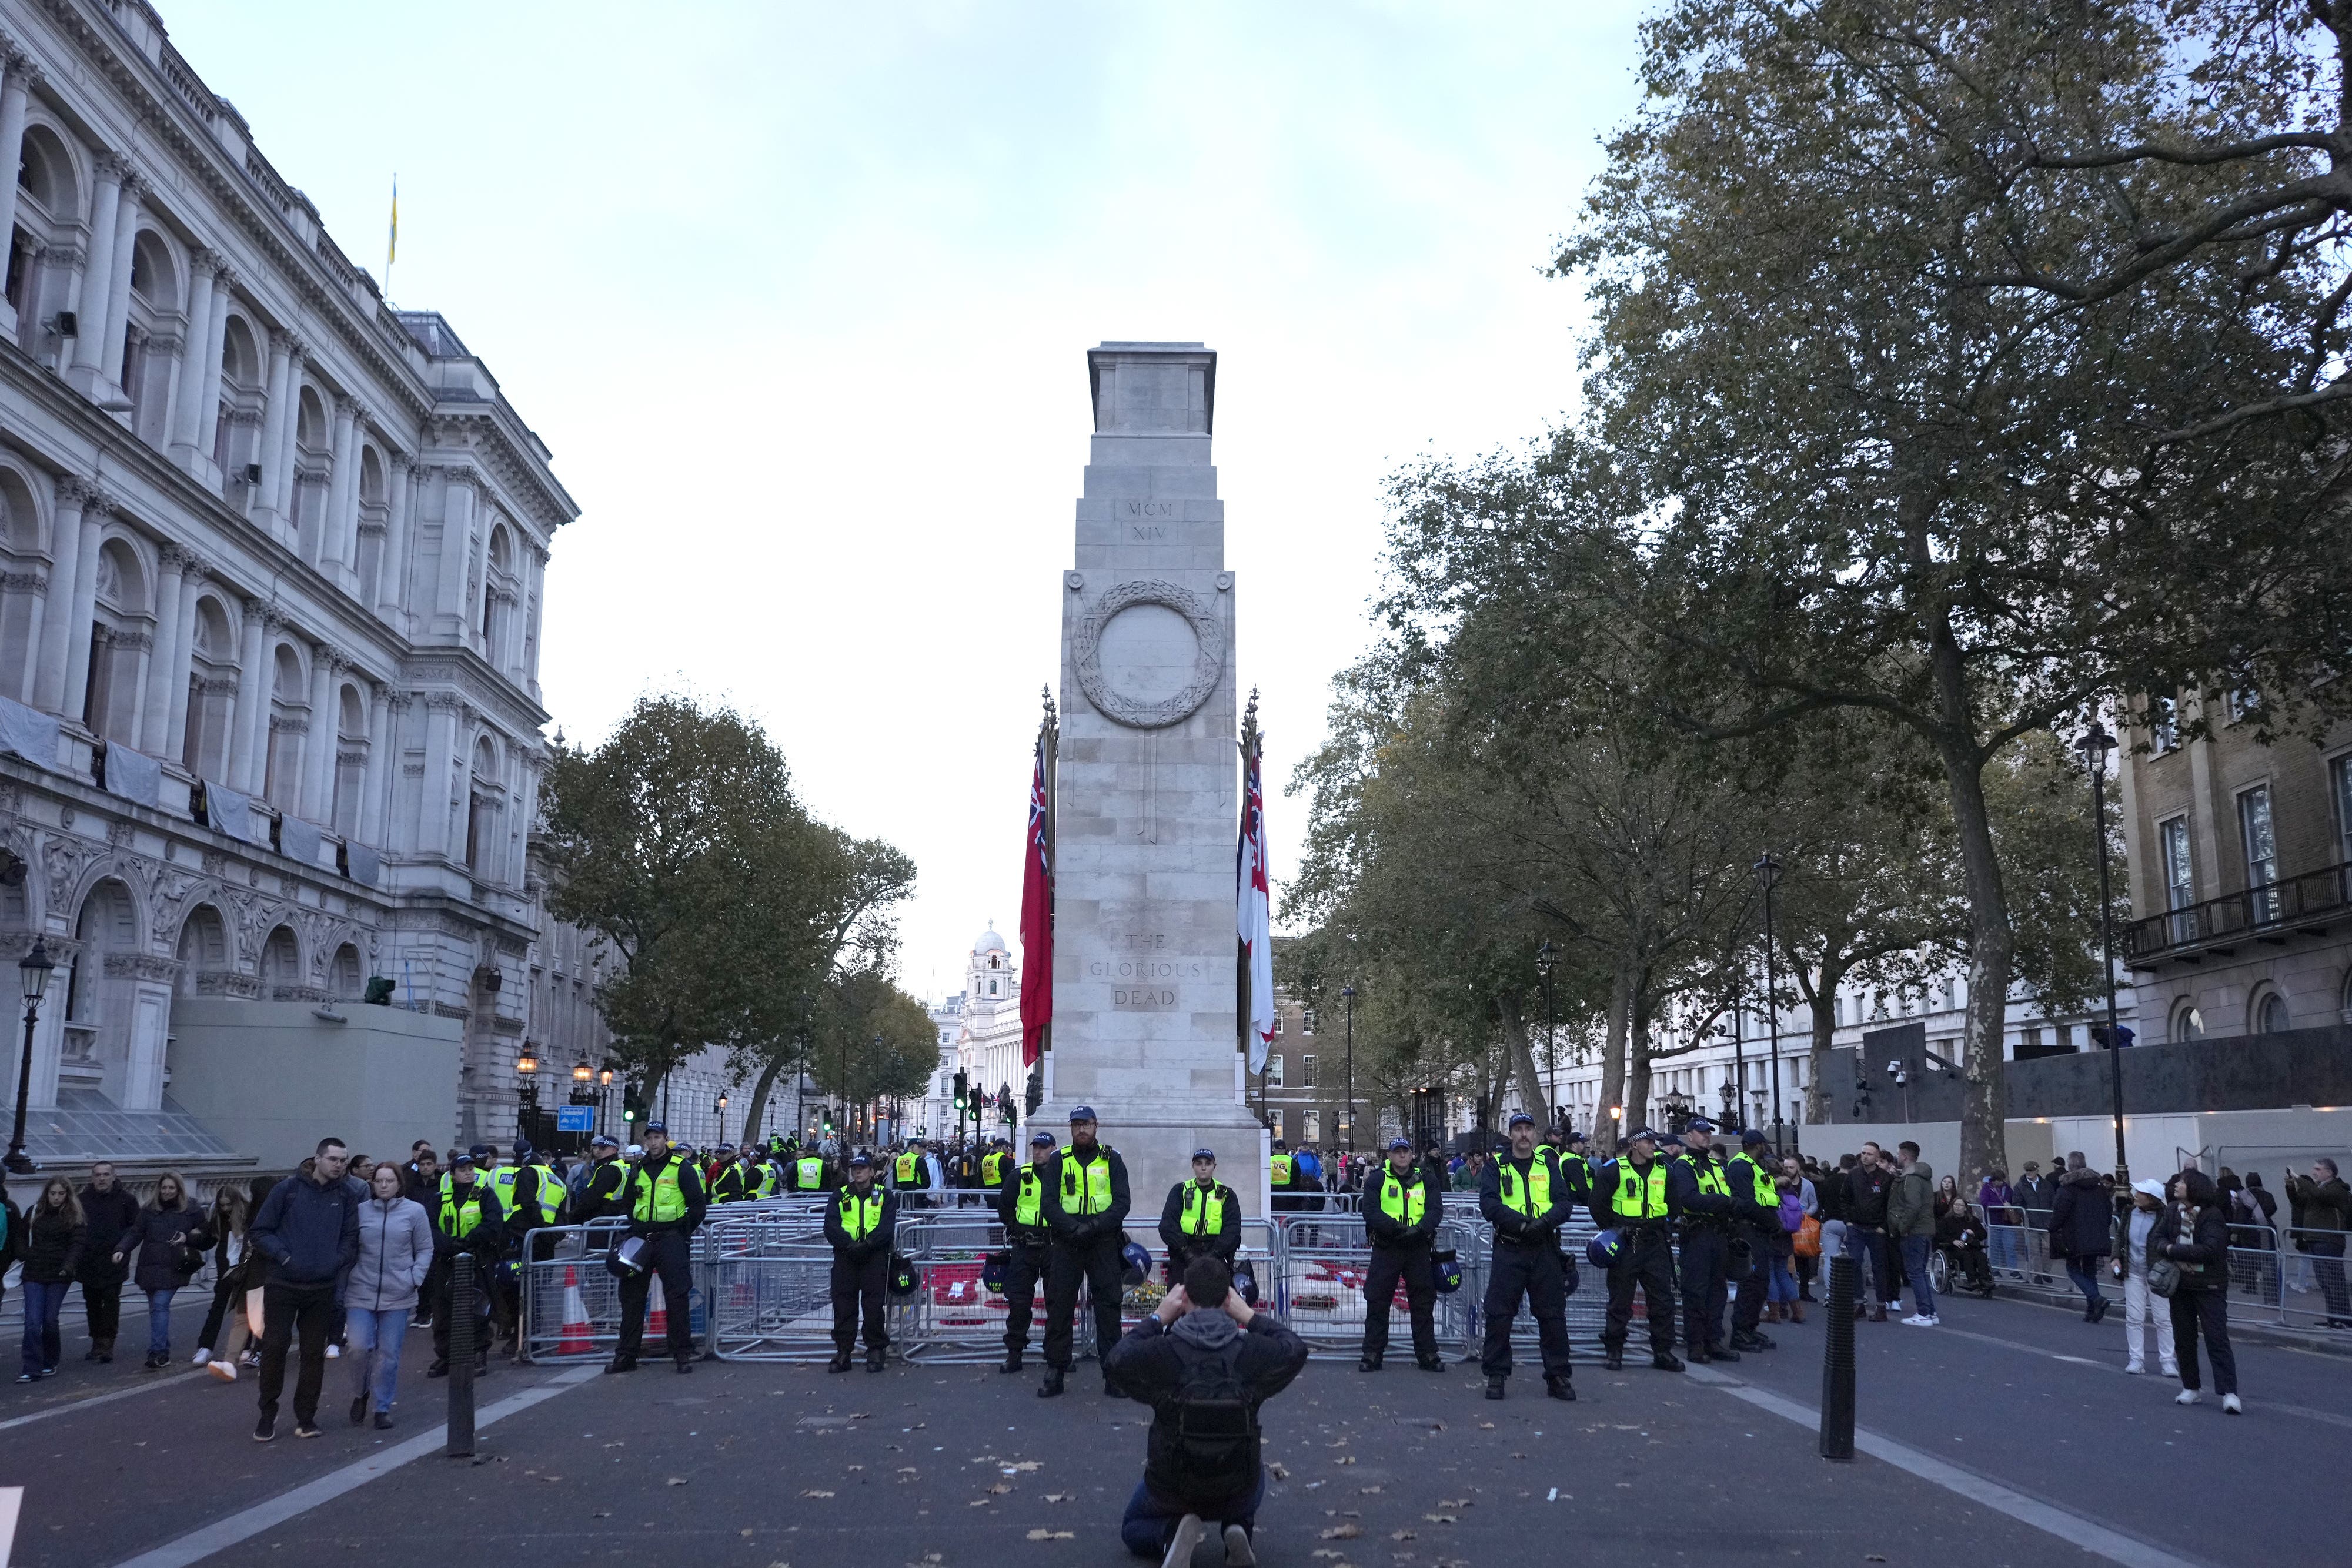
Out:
{"x": 2267, "y": 913}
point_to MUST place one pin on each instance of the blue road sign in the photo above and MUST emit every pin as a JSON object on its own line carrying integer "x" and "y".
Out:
{"x": 575, "y": 1118}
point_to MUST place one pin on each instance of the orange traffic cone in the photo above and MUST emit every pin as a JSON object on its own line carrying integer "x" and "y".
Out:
{"x": 575, "y": 1318}
{"x": 656, "y": 1312}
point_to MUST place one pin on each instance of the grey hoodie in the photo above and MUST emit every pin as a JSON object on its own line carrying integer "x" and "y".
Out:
{"x": 395, "y": 1253}
{"x": 1911, "y": 1202}
{"x": 1210, "y": 1328}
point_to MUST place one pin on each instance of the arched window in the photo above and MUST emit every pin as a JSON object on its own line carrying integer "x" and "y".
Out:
{"x": 281, "y": 962}
{"x": 203, "y": 949}
{"x": 350, "y": 760}
{"x": 2268, "y": 1014}
{"x": 312, "y": 434}
{"x": 154, "y": 303}
{"x": 2187, "y": 1023}
{"x": 20, "y": 541}
{"x": 48, "y": 200}
{"x": 290, "y": 719}
{"x": 236, "y": 428}
{"x": 482, "y": 810}
{"x": 110, "y": 695}
{"x": 343, "y": 976}
{"x": 374, "y": 513}
{"x": 212, "y": 688}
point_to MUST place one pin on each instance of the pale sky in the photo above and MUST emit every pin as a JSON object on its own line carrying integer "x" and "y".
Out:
{"x": 800, "y": 297}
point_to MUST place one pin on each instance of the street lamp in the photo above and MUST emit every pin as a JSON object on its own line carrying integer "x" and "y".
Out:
{"x": 2096, "y": 745}
{"x": 604, "y": 1099}
{"x": 1348, "y": 995}
{"x": 580, "y": 1073}
{"x": 33, "y": 971}
{"x": 1544, "y": 956}
{"x": 527, "y": 1066}
{"x": 722, "y": 1118}
{"x": 1767, "y": 872}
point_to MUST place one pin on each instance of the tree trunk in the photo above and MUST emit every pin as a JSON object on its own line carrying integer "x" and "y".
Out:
{"x": 1612, "y": 1062}
{"x": 1984, "y": 1100}
{"x": 760, "y": 1097}
{"x": 1817, "y": 1095}
{"x": 1637, "y": 1091}
{"x": 1523, "y": 1058}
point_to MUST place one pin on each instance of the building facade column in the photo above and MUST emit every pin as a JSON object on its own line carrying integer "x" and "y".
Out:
{"x": 16, "y": 85}
{"x": 203, "y": 462}
{"x": 273, "y": 426}
{"x": 90, "y": 305}
{"x": 392, "y": 575}
{"x": 56, "y": 624}
{"x": 317, "y": 791}
{"x": 95, "y": 510}
{"x": 249, "y": 761}
{"x": 476, "y": 591}
{"x": 117, "y": 280}
{"x": 456, "y": 550}
{"x": 192, "y": 573}
{"x": 528, "y": 675}
{"x": 383, "y": 761}
{"x": 433, "y": 812}
{"x": 163, "y": 657}
{"x": 203, "y": 267}
{"x": 342, "y": 489}
{"x": 289, "y": 454}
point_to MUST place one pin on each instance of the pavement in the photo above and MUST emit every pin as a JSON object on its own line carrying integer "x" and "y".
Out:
{"x": 2008, "y": 1436}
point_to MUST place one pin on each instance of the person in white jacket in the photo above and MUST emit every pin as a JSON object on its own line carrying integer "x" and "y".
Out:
{"x": 2141, "y": 1324}
{"x": 379, "y": 1293}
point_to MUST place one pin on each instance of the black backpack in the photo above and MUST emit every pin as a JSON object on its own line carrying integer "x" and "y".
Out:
{"x": 1214, "y": 1424}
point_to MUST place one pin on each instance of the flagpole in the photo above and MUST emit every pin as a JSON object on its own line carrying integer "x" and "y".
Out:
{"x": 391, "y": 239}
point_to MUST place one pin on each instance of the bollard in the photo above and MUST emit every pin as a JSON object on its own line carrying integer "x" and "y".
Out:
{"x": 461, "y": 1357}
{"x": 1837, "y": 1365}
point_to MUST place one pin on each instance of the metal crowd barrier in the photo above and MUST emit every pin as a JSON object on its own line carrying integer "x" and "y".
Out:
{"x": 1319, "y": 1288}
{"x": 558, "y": 1262}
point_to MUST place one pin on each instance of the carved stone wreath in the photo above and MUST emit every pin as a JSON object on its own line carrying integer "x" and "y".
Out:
{"x": 1208, "y": 659}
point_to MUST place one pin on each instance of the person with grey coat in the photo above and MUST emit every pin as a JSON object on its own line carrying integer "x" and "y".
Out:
{"x": 380, "y": 1291}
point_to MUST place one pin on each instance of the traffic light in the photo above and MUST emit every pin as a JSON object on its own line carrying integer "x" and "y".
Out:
{"x": 632, "y": 1108}
{"x": 828, "y": 1121}
{"x": 962, "y": 1090}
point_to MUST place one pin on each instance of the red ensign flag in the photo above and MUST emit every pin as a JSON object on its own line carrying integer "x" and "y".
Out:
{"x": 1036, "y": 923}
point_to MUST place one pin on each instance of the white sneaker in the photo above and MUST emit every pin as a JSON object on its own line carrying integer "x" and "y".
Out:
{"x": 1188, "y": 1531}
{"x": 224, "y": 1370}
{"x": 1237, "y": 1548}
{"x": 2133, "y": 1368}
{"x": 2186, "y": 1396}
{"x": 2171, "y": 1371}
{"x": 334, "y": 1352}
{"x": 203, "y": 1356}
{"x": 2230, "y": 1405}
{"x": 1921, "y": 1321}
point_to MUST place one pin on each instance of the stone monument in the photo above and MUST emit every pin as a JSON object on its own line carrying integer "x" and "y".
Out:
{"x": 1145, "y": 807}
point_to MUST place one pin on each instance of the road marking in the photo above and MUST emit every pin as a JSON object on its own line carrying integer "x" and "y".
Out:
{"x": 107, "y": 1398}
{"x": 222, "y": 1535}
{"x": 2305, "y": 1411}
{"x": 2075, "y": 1529}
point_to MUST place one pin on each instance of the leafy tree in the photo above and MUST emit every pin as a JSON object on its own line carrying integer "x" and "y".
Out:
{"x": 871, "y": 1041}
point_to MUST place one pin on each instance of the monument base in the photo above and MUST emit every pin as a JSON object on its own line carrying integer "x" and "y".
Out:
{"x": 1156, "y": 1141}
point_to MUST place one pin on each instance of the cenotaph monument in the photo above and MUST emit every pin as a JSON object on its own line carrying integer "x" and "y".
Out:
{"x": 1146, "y": 809}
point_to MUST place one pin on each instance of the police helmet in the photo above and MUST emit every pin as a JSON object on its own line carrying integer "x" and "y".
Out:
{"x": 1447, "y": 1268}
{"x": 904, "y": 1278}
{"x": 992, "y": 1270}
{"x": 1604, "y": 1249}
{"x": 1135, "y": 1263}
{"x": 1245, "y": 1281}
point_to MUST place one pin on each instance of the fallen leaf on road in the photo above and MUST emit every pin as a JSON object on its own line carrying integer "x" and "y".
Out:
{"x": 1343, "y": 1532}
{"x": 857, "y": 1467}
{"x": 1024, "y": 1465}
{"x": 1280, "y": 1473}
{"x": 1347, "y": 1459}
{"x": 977, "y": 1502}
{"x": 1486, "y": 1425}
{"x": 1403, "y": 1535}
{"x": 550, "y": 1478}
{"x": 803, "y": 1494}
{"x": 999, "y": 1489}
{"x": 1053, "y": 1535}
{"x": 1368, "y": 1489}
{"x": 1057, "y": 1497}
{"x": 678, "y": 1480}
{"x": 1442, "y": 1518}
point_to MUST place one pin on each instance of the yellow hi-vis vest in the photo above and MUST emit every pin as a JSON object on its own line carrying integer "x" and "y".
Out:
{"x": 1529, "y": 1194}
{"x": 1639, "y": 1195}
{"x": 1709, "y": 1176}
{"x": 860, "y": 1216}
{"x": 991, "y": 1168}
{"x": 1029, "y": 1198}
{"x": 1279, "y": 1167}
{"x": 550, "y": 1193}
{"x": 1204, "y": 1209}
{"x": 658, "y": 1200}
{"x": 502, "y": 1182}
{"x": 460, "y": 1216}
{"x": 1767, "y": 1195}
{"x": 1406, "y": 1205}
{"x": 808, "y": 1174}
{"x": 1096, "y": 1179}
{"x": 910, "y": 1166}
{"x": 767, "y": 1179}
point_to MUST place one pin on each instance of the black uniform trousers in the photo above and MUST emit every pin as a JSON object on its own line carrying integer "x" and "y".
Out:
{"x": 858, "y": 1283}
{"x": 1532, "y": 1271}
{"x": 670, "y": 1255}
{"x": 1098, "y": 1264}
{"x": 1412, "y": 1266}
{"x": 440, "y": 1286}
{"x": 1705, "y": 1250}
{"x": 1752, "y": 1265}
{"x": 1024, "y": 1265}
{"x": 1646, "y": 1259}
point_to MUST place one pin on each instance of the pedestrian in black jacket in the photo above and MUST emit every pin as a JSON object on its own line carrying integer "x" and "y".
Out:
{"x": 1020, "y": 1208}
{"x": 165, "y": 1250}
{"x": 859, "y": 1223}
{"x": 2082, "y": 1227}
{"x": 109, "y": 1210}
{"x": 1204, "y": 1362}
{"x": 1867, "y": 1188}
{"x": 1403, "y": 1204}
{"x": 468, "y": 1222}
{"x": 51, "y": 1252}
{"x": 2194, "y": 1234}
{"x": 308, "y": 1232}
{"x": 1524, "y": 1198}
{"x": 12, "y": 1234}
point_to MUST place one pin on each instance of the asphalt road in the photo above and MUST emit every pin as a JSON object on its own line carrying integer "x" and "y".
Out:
{"x": 2002, "y": 1453}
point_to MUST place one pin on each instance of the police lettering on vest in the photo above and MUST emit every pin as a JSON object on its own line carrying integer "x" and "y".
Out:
{"x": 809, "y": 1174}
{"x": 859, "y": 1216}
{"x": 991, "y": 1168}
{"x": 1204, "y": 1209}
{"x": 1530, "y": 1195}
{"x": 1279, "y": 1167}
{"x": 1640, "y": 1196}
{"x": 909, "y": 1163}
{"x": 1407, "y": 1205}
{"x": 1029, "y": 1198}
{"x": 1096, "y": 1196}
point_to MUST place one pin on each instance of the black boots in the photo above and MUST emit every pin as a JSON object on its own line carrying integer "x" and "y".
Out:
{"x": 1011, "y": 1362}
{"x": 841, "y": 1362}
{"x": 1560, "y": 1389}
{"x": 1052, "y": 1387}
{"x": 1368, "y": 1363}
{"x": 621, "y": 1362}
{"x": 873, "y": 1361}
{"x": 1494, "y": 1388}
{"x": 1430, "y": 1363}
{"x": 1612, "y": 1358}
{"x": 1666, "y": 1361}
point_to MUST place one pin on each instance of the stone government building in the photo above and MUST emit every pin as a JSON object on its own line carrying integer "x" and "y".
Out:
{"x": 272, "y": 559}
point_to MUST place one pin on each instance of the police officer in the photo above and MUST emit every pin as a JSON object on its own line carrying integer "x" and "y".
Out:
{"x": 759, "y": 1174}
{"x": 1021, "y": 1206}
{"x": 1630, "y": 1197}
{"x": 726, "y": 1185}
{"x": 600, "y": 1195}
{"x": 1701, "y": 1199}
{"x": 665, "y": 1203}
{"x": 805, "y": 1174}
{"x": 1576, "y": 1157}
{"x": 1758, "y": 1199}
{"x": 1085, "y": 1208}
{"x": 859, "y": 1224}
{"x": 1282, "y": 1175}
{"x": 1402, "y": 1206}
{"x": 467, "y": 1219}
{"x": 1201, "y": 1216}
{"x": 1524, "y": 1199}
{"x": 910, "y": 1174}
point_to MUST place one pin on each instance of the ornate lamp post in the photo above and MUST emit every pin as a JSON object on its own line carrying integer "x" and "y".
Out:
{"x": 722, "y": 1118}
{"x": 1545, "y": 955}
{"x": 2096, "y": 745}
{"x": 527, "y": 1068}
{"x": 1348, "y": 995}
{"x": 603, "y": 1098}
{"x": 33, "y": 971}
{"x": 1767, "y": 872}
